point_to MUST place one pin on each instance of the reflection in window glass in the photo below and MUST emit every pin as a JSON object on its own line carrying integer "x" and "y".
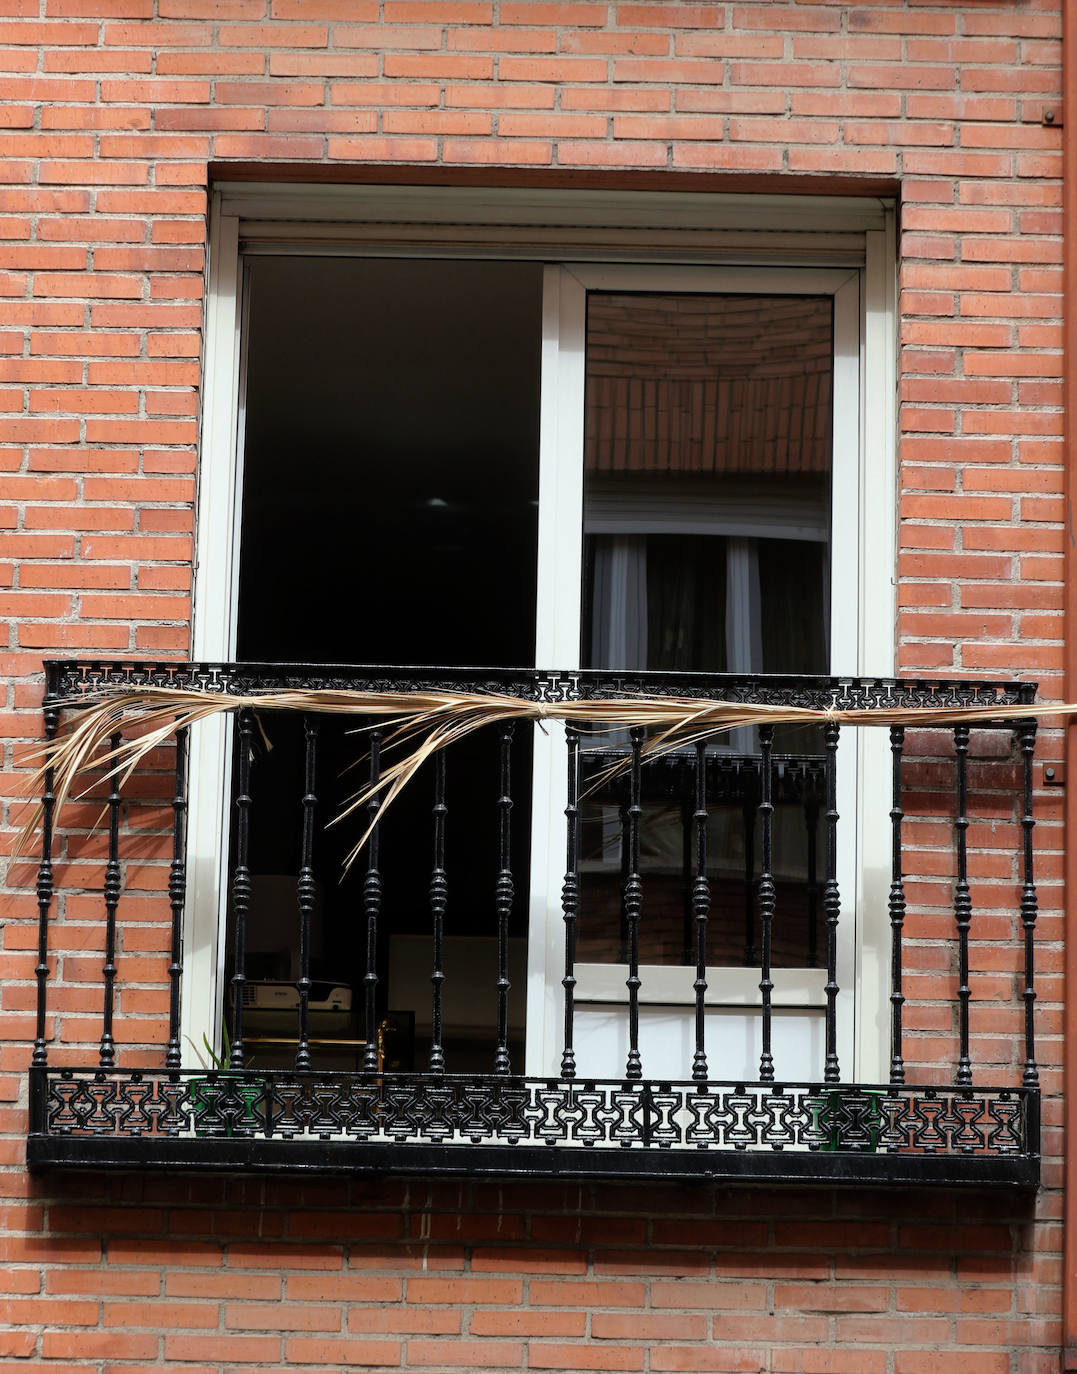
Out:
{"x": 708, "y": 433}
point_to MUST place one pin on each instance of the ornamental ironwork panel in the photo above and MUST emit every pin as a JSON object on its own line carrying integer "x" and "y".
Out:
{"x": 455, "y": 1110}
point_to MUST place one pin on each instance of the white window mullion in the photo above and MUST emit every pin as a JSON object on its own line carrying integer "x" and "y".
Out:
{"x": 557, "y": 645}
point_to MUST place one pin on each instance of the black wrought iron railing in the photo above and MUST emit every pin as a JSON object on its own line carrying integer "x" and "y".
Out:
{"x": 373, "y": 1015}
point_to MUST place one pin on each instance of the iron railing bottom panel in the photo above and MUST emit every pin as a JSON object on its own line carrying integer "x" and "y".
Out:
{"x": 346, "y": 1157}
{"x": 471, "y": 1125}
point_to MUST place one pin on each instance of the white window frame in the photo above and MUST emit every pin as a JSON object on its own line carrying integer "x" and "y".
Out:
{"x": 862, "y": 788}
{"x": 854, "y": 236}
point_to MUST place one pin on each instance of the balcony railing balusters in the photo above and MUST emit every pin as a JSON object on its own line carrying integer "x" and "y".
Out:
{"x": 962, "y": 904}
{"x": 439, "y": 898}
{"x": 831, "y": 902}
{"x": 372, "y": 895}
{"x": 1026, "y": 736}
{"x": 505, "y": 894}
{"x": 241, "y": 884}
{"x": 633, "y": 900}
{"x": 45, "y": 882}
{"x": 897, "y": 908}
{"x": 570, "y": 895}
{"x": 177, "y": 896}
{"x": 701, "y": 911}
{"x": 305, "y": 887}
{"x": 766, "y": 897}
{"x": 112, "y": 890}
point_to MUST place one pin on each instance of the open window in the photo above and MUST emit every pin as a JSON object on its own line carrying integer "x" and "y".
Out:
{"x": 389, "y": 510}
{"x": 500, "y": 456}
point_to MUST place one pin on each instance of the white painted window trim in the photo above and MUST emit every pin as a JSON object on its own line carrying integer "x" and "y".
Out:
{"x": 216, "y": 566}
{"x": 699, "y": 228}
{"x": 862, "y": 591}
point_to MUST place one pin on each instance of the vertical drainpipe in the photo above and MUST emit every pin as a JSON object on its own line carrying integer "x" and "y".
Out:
{"x": 1069, "y": 401}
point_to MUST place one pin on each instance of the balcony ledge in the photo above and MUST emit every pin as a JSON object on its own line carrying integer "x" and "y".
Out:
{"x": 410, "y": 1124}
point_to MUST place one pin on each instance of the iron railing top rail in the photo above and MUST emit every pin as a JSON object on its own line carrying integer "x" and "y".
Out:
{"x": 68, "y": 679}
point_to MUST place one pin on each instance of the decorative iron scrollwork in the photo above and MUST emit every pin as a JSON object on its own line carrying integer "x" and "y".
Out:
{"x": 459, "y": 1110}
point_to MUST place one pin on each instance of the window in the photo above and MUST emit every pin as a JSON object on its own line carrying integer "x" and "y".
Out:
{"x": 718, "y": 551}
{"x": 713, "y": 468}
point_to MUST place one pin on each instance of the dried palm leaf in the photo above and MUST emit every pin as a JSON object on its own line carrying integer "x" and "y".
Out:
{"x": 425, "y": 722}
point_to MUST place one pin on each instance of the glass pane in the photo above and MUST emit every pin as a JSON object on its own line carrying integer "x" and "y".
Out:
{"x": 707, "y": 504}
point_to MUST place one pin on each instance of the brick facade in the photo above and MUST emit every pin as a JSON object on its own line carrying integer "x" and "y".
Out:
{"x": 113, "y": 114}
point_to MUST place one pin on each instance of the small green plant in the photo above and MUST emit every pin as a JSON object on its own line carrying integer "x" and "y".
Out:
{"x": 211, "y": 1059}
{"x": 225, "y": 1106}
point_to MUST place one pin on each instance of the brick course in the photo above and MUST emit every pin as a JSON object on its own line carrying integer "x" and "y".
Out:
{"x": 112, "y": 111}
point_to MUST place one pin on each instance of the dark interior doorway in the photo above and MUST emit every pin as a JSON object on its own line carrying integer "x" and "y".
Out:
{"x": 389, "y": 514}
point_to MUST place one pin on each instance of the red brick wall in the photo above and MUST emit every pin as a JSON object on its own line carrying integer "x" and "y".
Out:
{"x": 111, "y": 111}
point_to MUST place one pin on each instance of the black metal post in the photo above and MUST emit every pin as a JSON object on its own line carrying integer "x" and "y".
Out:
{"x": 897, "y": 907}
{"x": 701, "y": 904}
{"x": 439, "y": 897}
{"x": 766, "y": 898}
{"x": 1026, "y": 735}
{"x": 570, "y": 894}
{"x": 241, "y": 884}
{"x": 831, "y": 902}
{"x": 372, "y": 894}
{"x": 112, "y": 900}
{"x": 504, "y": 896}
{"x": 39, "y": 1057}
{"x": 305, "y": 887}
{"x": 177, "y": 895}
{"x": 633, "y": 902}
{"x": 962, "y": 904}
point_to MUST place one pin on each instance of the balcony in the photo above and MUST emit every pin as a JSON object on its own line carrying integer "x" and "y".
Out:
{"x": 374, "y": 1010}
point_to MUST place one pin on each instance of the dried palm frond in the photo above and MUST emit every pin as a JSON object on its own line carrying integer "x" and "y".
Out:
{"x": 427, "y": 721}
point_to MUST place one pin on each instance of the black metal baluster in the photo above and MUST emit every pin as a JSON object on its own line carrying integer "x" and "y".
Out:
{"x": 112, "y": 900}
{"x": 372, "y": 909}
{"x": 439, "y": 897}
{"x": 177, "y": 894}
{"x": 1026, "y": 735}
{"x": 633, "y": 902}
{"x": 831, "y": 902}
{"x": 766, "y": 897}
{"x": 504, "y": 896}
{"x": 897, "y": 909}
{"x": 305, "y": 887}
{"x": 241, "y": 885}
{"x": 811, "y": 824}
{"x": 701, "y": 905}
{"x": 570, "y": 894}
{"x": 748, "y": 819}
{"x": 962, "y": 904}
{"x": 39, "y": 1059}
